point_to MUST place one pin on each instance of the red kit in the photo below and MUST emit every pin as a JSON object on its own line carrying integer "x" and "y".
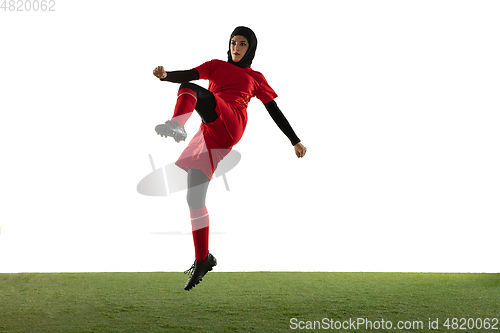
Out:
{"x": 233, "y": 87}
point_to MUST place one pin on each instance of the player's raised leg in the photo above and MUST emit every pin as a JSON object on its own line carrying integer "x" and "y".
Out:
{"x": 189, "y": 98}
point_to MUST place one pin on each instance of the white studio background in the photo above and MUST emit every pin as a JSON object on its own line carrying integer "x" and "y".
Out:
{"x": 396, "y": 101}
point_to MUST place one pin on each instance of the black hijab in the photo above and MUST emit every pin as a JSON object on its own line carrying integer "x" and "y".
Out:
{"x": 246, "y": 61}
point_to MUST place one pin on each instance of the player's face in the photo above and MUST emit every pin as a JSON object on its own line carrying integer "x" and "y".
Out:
{"x": 239, "y": 46}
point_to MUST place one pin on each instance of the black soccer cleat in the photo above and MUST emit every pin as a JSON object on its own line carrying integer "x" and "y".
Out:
{"x": 198, "y": 271}
{"x": 173, "y": 129}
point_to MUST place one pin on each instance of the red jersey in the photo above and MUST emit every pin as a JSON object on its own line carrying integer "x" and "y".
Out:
{"x": 234, "y": 84}
{"x": 233, "y": 87}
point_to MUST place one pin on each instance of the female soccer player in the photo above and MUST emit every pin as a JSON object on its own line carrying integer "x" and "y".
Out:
{"x": 223, "y": 111}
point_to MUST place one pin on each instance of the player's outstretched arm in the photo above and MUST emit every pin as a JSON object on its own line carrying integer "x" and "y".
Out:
{"x": 284, "y": 125}
{"x": 176, "y": 76}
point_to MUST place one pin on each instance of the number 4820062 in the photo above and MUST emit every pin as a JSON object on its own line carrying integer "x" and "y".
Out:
{"x": 28, "y": 5}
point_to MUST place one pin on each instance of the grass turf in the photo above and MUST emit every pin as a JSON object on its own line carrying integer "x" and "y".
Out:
{"x": 240, "y": 302}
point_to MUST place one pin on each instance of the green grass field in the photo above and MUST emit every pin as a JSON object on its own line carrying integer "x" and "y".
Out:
{"x": 245, "y": 302}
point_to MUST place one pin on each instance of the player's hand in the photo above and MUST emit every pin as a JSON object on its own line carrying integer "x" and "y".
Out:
{"x": 159, "y": 72}
{"x": 300, "y": 150}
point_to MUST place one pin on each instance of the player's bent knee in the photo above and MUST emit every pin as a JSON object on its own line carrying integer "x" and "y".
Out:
{"x": 188, "y": 85}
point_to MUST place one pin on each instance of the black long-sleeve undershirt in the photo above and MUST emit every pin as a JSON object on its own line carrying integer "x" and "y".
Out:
{"x": 182, "y": 76}
{"x": 280, "y": 120}
{"x": 271, "y": 107}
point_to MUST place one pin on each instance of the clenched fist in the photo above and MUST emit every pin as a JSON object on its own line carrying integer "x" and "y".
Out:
{"x": 300, "y": 150}
{"x": 159, "y": 72}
